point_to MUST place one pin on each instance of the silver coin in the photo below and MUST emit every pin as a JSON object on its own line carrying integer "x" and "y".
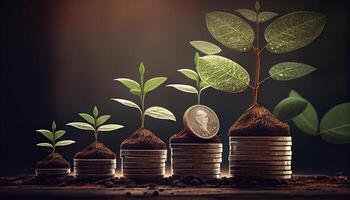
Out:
{"x": 196, "y": 145}
{"x": 260, "y": 143}
{"x": 193, "y": 160}
{"x": 143, "y": 152}
{"x": 258, "y": 157}
{"x": 261, "y": 138}
{"x": 94, "y": 167}
{"x": 195, "y": 166}
{"x": 145, "y": 160}
{"x": 198, "y": 156}
{"x": 143, "y": 165}
{"x": 95, "y": 161}
{"x": 202, "y": 121}
{"x": 262, "y": 153}
{"x": 145, "y": 157}
{"x": 258, "y": 162}
{"x": 259, "y": 148}
{"x": 94, "y": 171}
{"x": 196, "y": 171}
{"x": 195, "y": 151}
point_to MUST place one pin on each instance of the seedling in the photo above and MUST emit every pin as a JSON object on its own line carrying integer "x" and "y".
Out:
{"x": 95, "y": 123}
{"x": 140, "y": 90}
{"x": 53, "y": 136}
{"x": 285, "y": 34}
{"x": 193, "y": 75}
{"x": 334, "y": 127}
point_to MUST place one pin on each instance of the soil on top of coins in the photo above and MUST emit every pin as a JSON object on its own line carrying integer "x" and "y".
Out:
{"x": 143, "y": 139}
{"x": 258, "y": 121}
{"x": 96, "y": 150}
{"x": 53, "y": 160}
{"x": 184, "y": 136}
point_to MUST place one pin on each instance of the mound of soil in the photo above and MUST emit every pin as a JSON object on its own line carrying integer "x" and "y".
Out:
{"x": 184, "y": 136}
{"x": 258, "y": 121}
{"x": 53, "y": 160}
{"x": 143, "y": 139}
{"x": 95, "y": 150}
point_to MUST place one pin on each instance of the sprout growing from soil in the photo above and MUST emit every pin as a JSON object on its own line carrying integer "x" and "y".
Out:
{"x": 95, "y": 123}
{"x": 53, "y": 136}
{"x": 140, "y": 90}
{"x": 285, "y": 34}
{"x": 334, "y": 127}
{"x": 193, "y": 75}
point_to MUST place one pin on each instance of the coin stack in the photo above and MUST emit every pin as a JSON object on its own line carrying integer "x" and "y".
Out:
{"x": 143, "y": 164}
{"x": 52, "y": 172}
{"x": 94, "y": 168}
{"x": 260, "y": 157}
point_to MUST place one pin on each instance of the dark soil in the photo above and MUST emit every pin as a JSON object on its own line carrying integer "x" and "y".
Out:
{"x": 258, "y": 121}
{"x": 184, "y": 136}
{"x": 95, "y": 150}
{"x": 53, "y": 160}
{"x": 143, "y": 139}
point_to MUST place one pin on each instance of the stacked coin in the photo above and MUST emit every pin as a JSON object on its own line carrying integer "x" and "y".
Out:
{"x": 143, "y": 164}
{"x": 52, "y": 172}
{"x": 94, "y": 168}
{"x": 260, "y": 157}
{"x": 196, "y": 159}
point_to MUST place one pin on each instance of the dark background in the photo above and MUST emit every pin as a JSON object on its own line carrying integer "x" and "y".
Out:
{"x": 59, "y": 58}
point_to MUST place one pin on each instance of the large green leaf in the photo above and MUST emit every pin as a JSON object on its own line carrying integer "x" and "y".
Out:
{"x": 129, "y": 83}
{"x": 189, "y": 73}
{"x": 44, "y": 144}
{"x": 153, "y": 83}
{"x": 64, "y": 143}
{"x": 335, "y": 124}
{"x": 109, "y": 127}
{"x": 307, "y": 121}
{"x": 87, "y": 117}
{"x": 223, "y": 74}
{"x": 102, "y": 119}
{"x": 184, "y": 88}
{"x": 248, "y": 14}
{"x": 59, "y": 134}
{"x": 290, "y": 70}
{"x": 289, "y": 108}
{"x": 294, "y": 31}
{"x": 206, "y": 47}
{"x": 160, "y": 113}
{"x": 48, "y": 134}
{"x": 127, "y": 103}
{"x": 82, "y": 126}
{"x": 230, "y": 30}
{"x": 265, "y": 16}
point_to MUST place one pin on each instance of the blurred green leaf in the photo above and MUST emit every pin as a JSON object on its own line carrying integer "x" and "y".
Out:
{"x": 87, "y": 118}
{"x": 64, "y": 143}
{"x": 101, "y": 120}
{"x": 142, "y": 69}
{"x": 127, "y": 103}
{"x": 290, "y": 70}
{"x": 44, "y": 145}
{"x": 189, "y": 74}
{"x": 129, "y": 83}
{"x": 135, "y": 92}
{"x": 265, "y": 16}
{"x": 109, "y": 127}
{"x": 153, "y": 83}
{"x": 257, "y": 5}
{"x": 59, "y": 134}
{"x": 184, "y": 88}
{"x": 230, "y": 30}
{"x": 196, "y": 59}
{"x": 53, "y": 126}
{"x": 95, "y": 112}
{"x": 248, "y": 14}
{"x": 206, "y": 47}
{"x": 82, "y": 126}
{"x": 289, "y": 108}
{"x": 48, "y": 134}
{"x": 160, "y": 113}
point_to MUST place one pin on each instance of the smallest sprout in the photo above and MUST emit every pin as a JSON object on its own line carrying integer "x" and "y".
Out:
{"x": 53, "y": 136}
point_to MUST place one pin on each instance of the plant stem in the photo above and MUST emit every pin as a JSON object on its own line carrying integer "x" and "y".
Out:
{"x": 96, "y": 134}
{"x": 142, "y": 98}
{"x": 257, "y": 63}
{"x": 54, "y": 142}
{"x": 199, "y": 91}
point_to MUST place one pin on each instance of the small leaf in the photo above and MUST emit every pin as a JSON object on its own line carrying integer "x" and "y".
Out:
{"x": 153, "y": 83}
{"x": 127, "y": 103}
{"x": 59, "y": 134}
{"x": 129, "y": 83}
{"x": 142, "y": 69}
{"x": 160, "y": 113}
{"x": 64, "y": 143}
{"x": 82, "y": 126}
{"x": 184, "y": 88}
{"x": 48, "y": 134}
{"x": 248, "y": 14}
{"x": 335, "y": 124}
{"x": 109, "y": 127}
{"x": 294, "y": 31}
{"x": 257, "y": 5}
{"x": 53, "y": 126}
{"x": 290, "y": 70}
{"x": 230, "y": 30}
{"x": 136, "y": 92}
{"x": 307, "y": 121}
{"x": 102, "y": 119}
{"x": 266, "y": 16}
{"x": 223, "y": 74}
{"x": 189, "y": 73}
{"x": 206, "y": 47}
{"x": 44, "y": 145}
{"x": 95, "y": 112}
{"x": 196, "y": 59}
{"x": 289, "y": 108}
{"x": 87, "y": 117}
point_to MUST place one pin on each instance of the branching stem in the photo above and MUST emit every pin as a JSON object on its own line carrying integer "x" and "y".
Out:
{"x": 257, "y": 63}
{"x": 142, "y": 98}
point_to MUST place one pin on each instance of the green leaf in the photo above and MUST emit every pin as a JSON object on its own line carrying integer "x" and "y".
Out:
{"x": 196, "y": 59}
{"x": 59, "y": 134}
{"x": 257, "y": 5}
{"x": 142, "y": 69}
{"x": 204, "y": 85}
{"x": 135, "y": 92}
{"x": 206, "y": 47}
{"x": 307, "y": 121}
{"x": 335, "y": 124}
{"x": 230, "y": 30}
{"x": 223, "y": 74}
{"x": 82, "y": 126}
{"x": 102, "y": 119}
{"x": 189, "y": 74}
{"x": 153, "y": 83}
{"x": 109, "y": 127}
{"x": 127, "y": 103}
{"x": 64, "y": 143}
{"x": 294, "y": 31}
{"x": 87, "y": 118}
{"x": 184, "y": 88}
{"x": 129, "y": 83}
{"x": 248, "y": 14}
{"x": 160, "y": 113}
{"x": 44, "y": 145}
{"x": 95, "y": 112}
{"x": 266, "y": 16}
{"x": 289, "y": 108}
{"x": 53, "y": 126}
{"x": 290, "y": 70}
{"x": 48, "y": 134}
